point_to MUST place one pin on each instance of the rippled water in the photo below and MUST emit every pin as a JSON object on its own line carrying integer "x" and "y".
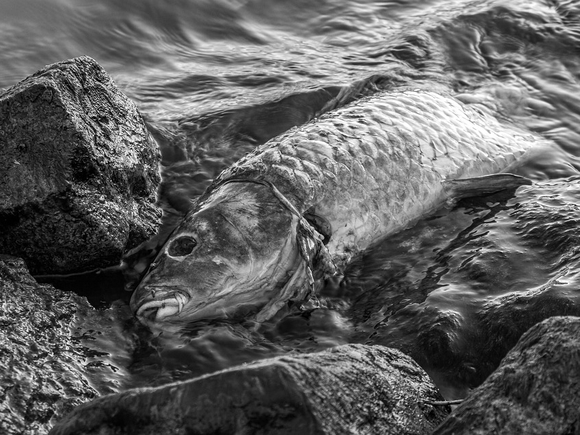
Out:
{"x": 215, "y": 78}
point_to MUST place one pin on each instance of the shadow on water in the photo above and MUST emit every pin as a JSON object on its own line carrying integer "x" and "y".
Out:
{"x": 101, "y": 287}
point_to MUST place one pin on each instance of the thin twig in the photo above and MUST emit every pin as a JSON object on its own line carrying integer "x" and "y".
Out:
{"x": 444, "y": 402}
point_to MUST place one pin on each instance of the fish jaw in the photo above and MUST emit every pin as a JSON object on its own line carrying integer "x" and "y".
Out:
{"x": 160, "y": 304}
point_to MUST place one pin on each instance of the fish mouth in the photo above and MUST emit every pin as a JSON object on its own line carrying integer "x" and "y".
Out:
{"x": 162, "y": 304}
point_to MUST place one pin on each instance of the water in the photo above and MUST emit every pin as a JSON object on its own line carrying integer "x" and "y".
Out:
{"x": 214, "y": 79}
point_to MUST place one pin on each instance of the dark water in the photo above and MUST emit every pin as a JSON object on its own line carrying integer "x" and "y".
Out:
{"x": 215, "y": 78}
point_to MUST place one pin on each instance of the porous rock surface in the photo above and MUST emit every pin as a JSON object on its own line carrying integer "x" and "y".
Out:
{"x": 79, "y": 170}
{"x": 535, "y": 390}
{"x": 42, "y": 373}
{"x": 351, "y": 389}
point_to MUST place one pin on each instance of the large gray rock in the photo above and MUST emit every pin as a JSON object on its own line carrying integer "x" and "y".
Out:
{"x": 42, "y": 372}
{"x": 78, "y": 172}
{"x": 535, "y": 390}
{"x": 351, "y": 389}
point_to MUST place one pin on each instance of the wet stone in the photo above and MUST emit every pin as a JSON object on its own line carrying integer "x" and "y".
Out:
{"x": 42, "y": 373}
{"x": 350, "y": 389}
{"x": 535, "y": 390}
{"x": 79, "y": 170}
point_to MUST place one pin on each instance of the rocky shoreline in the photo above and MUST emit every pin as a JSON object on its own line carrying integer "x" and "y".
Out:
{"x": 77, "y": 190}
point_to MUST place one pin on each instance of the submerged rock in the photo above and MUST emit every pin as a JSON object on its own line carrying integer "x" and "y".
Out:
{"x": 350, "y": 389}
{"x": 79, "y": 170}
{"x": 535, "y": 390}
{"x": 42, "y": 371}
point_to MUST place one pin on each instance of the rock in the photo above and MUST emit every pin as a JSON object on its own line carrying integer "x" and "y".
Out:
{"x": 42, "y": 372}
{"x": 505, "y": 319}
{"x": 79, "y": 170}
{"x": 535, "y": 390}
{"x": 351, "y": 389}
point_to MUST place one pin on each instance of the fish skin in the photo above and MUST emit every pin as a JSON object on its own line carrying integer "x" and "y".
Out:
{"x": 376, "y": 166}
{"x": 369, "y": 169}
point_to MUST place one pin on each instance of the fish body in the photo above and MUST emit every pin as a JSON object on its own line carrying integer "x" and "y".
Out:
{"x": 364, "y": 171}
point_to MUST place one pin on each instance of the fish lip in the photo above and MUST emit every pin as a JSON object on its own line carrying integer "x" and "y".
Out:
{"x": 151, "y": 308}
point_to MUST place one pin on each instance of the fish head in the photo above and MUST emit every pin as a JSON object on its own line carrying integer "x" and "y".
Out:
{"x": 229, "y": 256}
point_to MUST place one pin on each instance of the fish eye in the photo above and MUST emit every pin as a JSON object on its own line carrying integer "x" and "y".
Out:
{"x": 181, "y": 246}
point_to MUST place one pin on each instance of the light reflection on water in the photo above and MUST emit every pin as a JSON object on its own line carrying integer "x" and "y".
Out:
{"x": 216, "y": 78}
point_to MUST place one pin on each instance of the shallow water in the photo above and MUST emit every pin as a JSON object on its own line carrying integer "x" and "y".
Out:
{"x": 215, "y": 78}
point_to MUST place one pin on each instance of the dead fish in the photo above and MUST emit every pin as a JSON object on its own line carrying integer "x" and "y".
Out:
{"x": 297, "y": 208}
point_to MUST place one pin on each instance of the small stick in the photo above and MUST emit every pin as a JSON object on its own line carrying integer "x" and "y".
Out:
{"x": 444, "y": 402}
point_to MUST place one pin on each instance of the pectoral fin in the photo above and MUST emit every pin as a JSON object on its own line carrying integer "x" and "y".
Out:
{"x": 320, "y": 224}
{"x": 468, "y": 187}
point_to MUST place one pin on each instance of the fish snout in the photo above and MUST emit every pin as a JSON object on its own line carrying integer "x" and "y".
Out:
{"x": 158, "y": 304}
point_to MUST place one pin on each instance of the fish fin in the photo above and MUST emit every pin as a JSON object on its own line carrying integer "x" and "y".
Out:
{"x": 313, "y": 250}
{"x": 468, "y": 187}
{"x": 314, "y": 262}
{"x": 320, "y": 224}
{"x": 297, "y": 287}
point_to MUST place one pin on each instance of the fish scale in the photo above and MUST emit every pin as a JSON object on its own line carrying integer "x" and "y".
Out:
{"x": 377, "y": 165}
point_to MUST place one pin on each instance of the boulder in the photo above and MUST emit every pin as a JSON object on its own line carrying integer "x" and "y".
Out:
{"x": 42, "y": 372}
{"x": 79, "y": 170}
{"x": 351, "y": 389}
{"x": 535, "y": 390}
